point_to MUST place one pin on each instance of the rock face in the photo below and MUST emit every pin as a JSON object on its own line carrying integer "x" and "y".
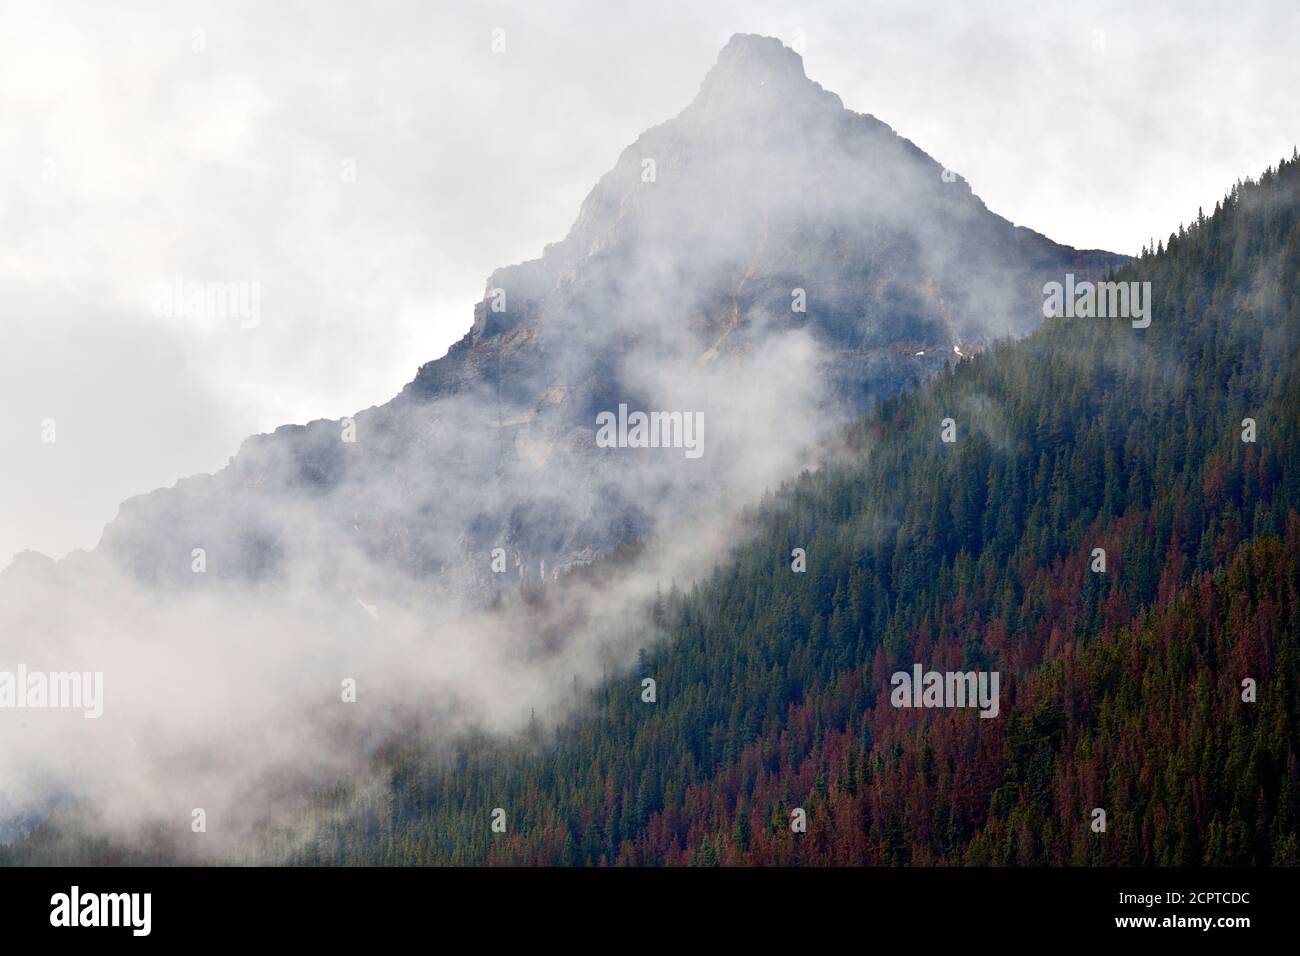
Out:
{"x": 767, "y": 258}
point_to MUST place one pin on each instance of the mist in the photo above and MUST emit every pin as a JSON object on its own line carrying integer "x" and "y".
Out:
{"x": 766, "y": 263}
{"x": 426, "y": 554}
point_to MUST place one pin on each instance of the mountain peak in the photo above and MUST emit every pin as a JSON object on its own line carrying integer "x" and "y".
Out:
{"x": 758, "y": 71}
{"x": 758, "y": 57}
{"x": 764, "y": 242}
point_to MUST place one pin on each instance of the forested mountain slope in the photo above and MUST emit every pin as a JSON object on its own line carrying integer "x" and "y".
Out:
{"x": 1127, "y": 690}
{"x": 1121, "y": 690}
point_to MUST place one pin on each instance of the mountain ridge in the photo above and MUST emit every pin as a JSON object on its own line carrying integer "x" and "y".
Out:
{"x": 659, "y": 295}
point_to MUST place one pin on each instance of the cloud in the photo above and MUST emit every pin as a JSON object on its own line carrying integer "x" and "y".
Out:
{"x": 131, "y": 158}
{"x": 138, "y": 158}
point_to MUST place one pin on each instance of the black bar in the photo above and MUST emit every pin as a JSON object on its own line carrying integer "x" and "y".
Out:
{"x": 299, "y": 906}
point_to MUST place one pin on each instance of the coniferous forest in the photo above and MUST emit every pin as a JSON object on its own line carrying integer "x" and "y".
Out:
{"x": 1163, "y": 690}
{"x": 660, "y": 471}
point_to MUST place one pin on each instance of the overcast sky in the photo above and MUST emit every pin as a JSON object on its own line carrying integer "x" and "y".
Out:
{"x": 368, "y": 164}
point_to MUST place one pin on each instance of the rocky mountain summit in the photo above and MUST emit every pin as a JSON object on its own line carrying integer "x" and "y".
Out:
{"x": 768, "y": 259}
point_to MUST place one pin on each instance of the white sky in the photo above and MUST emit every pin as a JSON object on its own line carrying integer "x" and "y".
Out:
{"x": 127, "y": 158}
